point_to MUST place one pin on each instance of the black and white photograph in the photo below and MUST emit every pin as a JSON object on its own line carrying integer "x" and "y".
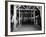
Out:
{"x": 25, "y": 18}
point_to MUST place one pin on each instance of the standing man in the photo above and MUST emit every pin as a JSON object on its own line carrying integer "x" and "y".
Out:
{"x": 15, "y": 22}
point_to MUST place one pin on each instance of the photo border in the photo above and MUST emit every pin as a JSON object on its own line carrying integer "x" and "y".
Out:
{"x": 6, "y": 18}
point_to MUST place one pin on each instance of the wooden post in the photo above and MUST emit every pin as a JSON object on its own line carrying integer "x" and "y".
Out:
{"x": 34, "y": 16}
{"x": 19, "y": 16}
